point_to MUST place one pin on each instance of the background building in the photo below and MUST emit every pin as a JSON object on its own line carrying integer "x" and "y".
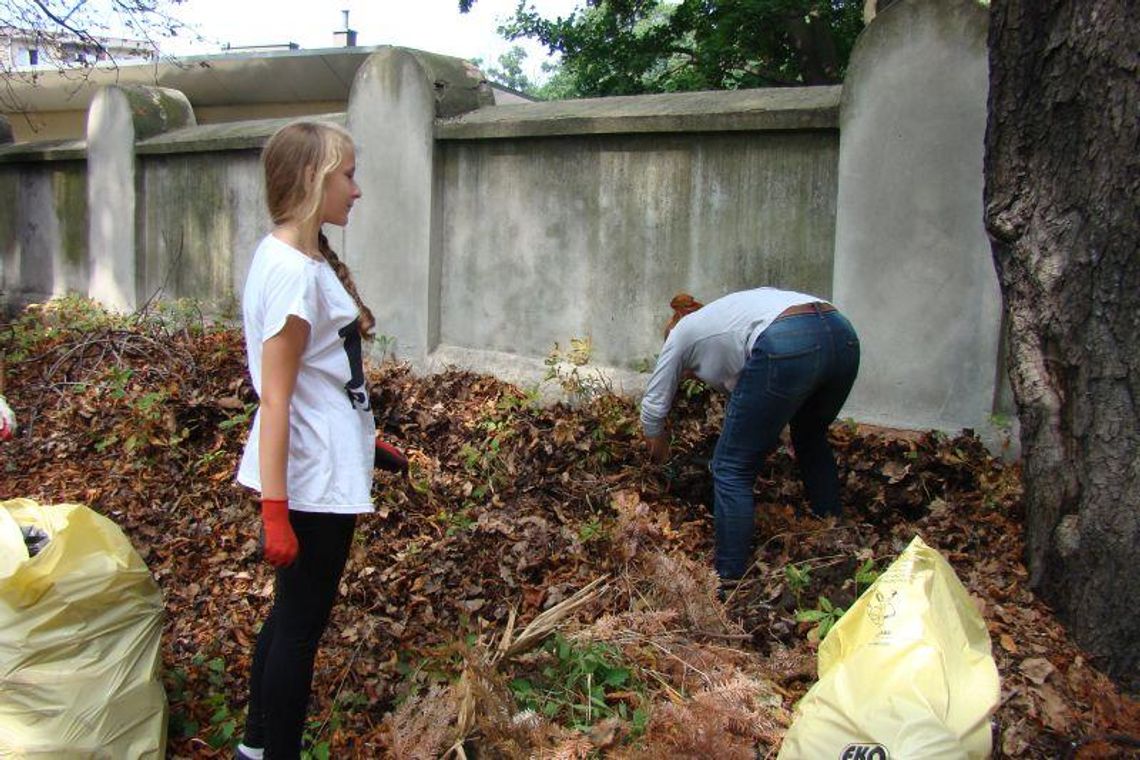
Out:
{"x": 34, "y": 49}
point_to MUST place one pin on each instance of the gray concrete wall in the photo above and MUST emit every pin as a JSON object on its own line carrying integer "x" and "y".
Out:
{"x": 592, "y": 235}
{"x": 486, "y": 234}
{"x": 202, "y": 210}
{"x": 202, "y": 215}
{"x": 43, "y": 216}
{"x": 581, "y": 219}
{"x": 912, "y": 261}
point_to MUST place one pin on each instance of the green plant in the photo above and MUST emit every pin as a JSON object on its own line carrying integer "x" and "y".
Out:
{"x": 419, "y": 477}
{"x": 209, "y": 458}
{"x": 178, "y": 724}
{"x": 524, "y": 399}
{"x": 457, "y": 521}
{"x": 315, "y": 750}
{"x": 117, "y": 381}
{"x": 152, "y": 422}
{"x": 798, "y": 578}
{"x": 386, "y": 346}
{"x": 1001, "y": 421}
{"x": 568, "y": 369}
{"x": 317, "y": 747}
{"x": 178, "y": 314}
{"x": 691, "y": 387}
{"x": 590, "y": 530}
{"x": 825, "y": 616}
{"x": 617, "y": 423}
{"x": 578, "y": 685}
{"x": 645, "y": 364}
{"x": 238, "y": 418}
{"x": 865, "y": 575}
{"x": 223, "y": 722}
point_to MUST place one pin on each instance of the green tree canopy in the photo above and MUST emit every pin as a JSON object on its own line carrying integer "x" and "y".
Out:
{"x": 509, "y": 72}
{"x": 625, "y": 47}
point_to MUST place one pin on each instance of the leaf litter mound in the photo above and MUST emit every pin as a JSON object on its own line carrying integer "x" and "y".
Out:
{"x": 532, "y": 587}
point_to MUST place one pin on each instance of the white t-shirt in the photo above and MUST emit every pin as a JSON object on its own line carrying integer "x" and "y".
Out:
{"x": 713, "y": 343}
{"x": 331, "y": 429}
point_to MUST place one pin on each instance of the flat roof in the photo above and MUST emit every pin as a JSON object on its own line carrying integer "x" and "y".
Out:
{"x": 275, "y": 76}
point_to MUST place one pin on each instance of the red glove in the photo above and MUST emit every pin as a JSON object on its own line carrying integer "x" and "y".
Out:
{"x": 7, "y": 421}
{"x": 388, "y": 457}
{"x": 280, "y": 541}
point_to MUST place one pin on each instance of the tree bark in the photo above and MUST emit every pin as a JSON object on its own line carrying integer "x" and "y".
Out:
{"x": 1062, "y": 170}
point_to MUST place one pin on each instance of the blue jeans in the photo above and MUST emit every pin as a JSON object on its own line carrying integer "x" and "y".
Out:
{"x": 799, "y": 374}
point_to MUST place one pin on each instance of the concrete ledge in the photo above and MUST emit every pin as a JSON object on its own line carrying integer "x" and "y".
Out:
{"x": 211, "y": 138}
{"x": 743, "y": 110}
{"x": 48, "y": 150}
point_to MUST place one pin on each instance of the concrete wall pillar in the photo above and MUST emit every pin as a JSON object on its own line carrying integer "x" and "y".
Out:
{"x": 117, "y": 118}
{"x": 392, "y": 241}
{"x": 6, "y": 133}
{"x": 912, "y": 261}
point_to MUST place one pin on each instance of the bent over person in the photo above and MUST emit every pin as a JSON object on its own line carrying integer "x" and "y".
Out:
{"x": 784, "y": 358}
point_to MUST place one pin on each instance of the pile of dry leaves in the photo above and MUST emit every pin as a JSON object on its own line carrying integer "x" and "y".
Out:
{"x": 532, "y": 587}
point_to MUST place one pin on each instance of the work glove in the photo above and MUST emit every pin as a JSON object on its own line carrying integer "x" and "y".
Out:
{"x": 280, "y": 541}
{"x": 7, "y": 420}
{"x": 388, "y": 457}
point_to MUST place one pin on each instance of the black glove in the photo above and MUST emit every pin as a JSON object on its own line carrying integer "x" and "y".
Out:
{"x": 388, "y": 457}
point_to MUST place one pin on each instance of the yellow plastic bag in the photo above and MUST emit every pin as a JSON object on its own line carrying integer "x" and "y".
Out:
{"x": 906, "y": 673}
{"x": 80, "y": 630}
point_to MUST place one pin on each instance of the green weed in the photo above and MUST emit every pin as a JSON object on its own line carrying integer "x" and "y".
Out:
{"x": 590, "y": 530}
{"x": 568, "y": 369}
{"x": 825, "y": 616}
{"x": 798, "y": 578}
{"x": 579, "y": 684}
{"x": 865, "y": 575}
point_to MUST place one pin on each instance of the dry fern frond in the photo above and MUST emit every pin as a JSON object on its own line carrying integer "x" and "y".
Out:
{"x": 680, "y": 583}
{"x": 422, "y": 727}
{"x": 629, "y": 626}
{"x": 732, "y": 719}
{"x": 486, "y": 710}
{"x": 577, "y": 747}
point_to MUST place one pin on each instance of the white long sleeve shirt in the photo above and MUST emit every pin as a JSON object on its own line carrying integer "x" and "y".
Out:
{"x": 713, "y": 343}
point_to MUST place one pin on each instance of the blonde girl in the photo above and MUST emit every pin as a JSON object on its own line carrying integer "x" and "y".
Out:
{"x": 310, "y": 450}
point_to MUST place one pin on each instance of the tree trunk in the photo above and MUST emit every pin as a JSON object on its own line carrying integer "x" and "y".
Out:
{"x": 1062, "y": 171}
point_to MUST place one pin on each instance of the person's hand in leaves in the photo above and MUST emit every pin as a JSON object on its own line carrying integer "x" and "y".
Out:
{"x": 390, "y": 458}
{"x": 658, "y": 446}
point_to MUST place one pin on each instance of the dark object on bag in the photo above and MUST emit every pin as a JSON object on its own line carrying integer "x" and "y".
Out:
{"x": 389, "y": 458}
{"x": 34, "y": 538}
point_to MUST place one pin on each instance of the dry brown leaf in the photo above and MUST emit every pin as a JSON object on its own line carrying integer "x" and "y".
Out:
{"x": 1037, "y": 669}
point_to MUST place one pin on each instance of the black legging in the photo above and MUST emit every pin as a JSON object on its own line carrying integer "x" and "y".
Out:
{"x": 282, "y": 671}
